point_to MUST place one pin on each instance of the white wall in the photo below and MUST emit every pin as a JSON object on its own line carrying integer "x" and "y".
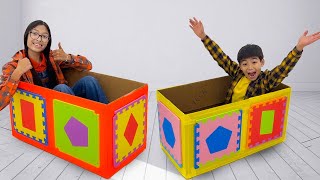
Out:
{"x": 150, "y": 41}
{"x": 10, "y": 29}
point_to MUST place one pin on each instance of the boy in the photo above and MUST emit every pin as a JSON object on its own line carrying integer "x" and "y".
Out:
{"x": 247, "y": 78}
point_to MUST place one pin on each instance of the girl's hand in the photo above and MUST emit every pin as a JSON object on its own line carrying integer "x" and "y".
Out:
{"x": 59, "y": 54}
{"x": 24, "y": 64}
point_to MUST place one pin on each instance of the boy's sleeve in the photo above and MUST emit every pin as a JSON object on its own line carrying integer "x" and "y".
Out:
{"x": 277, "y": 74}
{"x": 78, "y": 62}
{"x": 223, "y": 60}
{"x": 7, "y": 85}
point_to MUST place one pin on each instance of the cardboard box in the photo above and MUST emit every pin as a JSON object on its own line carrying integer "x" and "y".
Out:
{"x": 101, "y": 138}
{"x": 199, "y": 133}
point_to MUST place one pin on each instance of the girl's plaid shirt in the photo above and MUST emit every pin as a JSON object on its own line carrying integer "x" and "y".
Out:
{"x": 8, "y": 86}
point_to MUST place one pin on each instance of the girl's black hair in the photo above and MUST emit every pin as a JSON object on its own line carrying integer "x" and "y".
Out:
{"x": 51, "y": 74}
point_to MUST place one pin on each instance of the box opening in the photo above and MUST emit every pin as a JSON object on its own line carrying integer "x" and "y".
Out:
{"x": 113, "y": 87}
{"x": 201, "y": 95}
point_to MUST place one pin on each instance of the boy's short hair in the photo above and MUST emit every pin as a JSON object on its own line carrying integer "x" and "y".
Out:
{"x": 249, "y": 50}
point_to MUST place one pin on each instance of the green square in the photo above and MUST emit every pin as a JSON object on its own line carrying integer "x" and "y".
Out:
{"x": 267, "y": 120}
{"x": 62, "y": 113}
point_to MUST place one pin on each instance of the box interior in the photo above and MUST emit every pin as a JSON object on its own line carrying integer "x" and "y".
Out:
{"x": 113, "y": 87}
{"x": 201, "y": 95}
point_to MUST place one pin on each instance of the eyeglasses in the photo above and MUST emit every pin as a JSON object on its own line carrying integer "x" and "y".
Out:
{"x": 34, "y": 35}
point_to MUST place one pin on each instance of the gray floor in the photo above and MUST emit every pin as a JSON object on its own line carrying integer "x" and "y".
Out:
{"x": 297, "y": 158}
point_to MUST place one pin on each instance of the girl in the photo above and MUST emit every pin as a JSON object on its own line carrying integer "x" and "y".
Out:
{"x": 39, "y": 65}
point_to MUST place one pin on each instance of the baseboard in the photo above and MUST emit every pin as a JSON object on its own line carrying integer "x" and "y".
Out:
{"x": 297, "y": 86}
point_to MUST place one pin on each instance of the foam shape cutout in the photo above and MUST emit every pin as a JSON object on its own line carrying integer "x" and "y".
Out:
{"x": 66, "y": 112}
{"x": 267, "y": 115}
{"x": 267, "y": 121}
{"x": 170, "y": 133}
{"x": 28, "y": 119}
{"x": 218, "y": 140}
{"x": 29, "y": 116}
{"x": 129, "y": 129}
{"x": 217, "y": 136}
{"x": 77, "y": 132}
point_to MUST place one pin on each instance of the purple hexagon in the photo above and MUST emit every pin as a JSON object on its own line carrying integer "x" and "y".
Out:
{"x": 77, "y": 132}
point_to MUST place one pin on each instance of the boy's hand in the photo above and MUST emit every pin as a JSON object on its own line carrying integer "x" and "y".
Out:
{"x": 305, "y": 40}
{"x": 197, "y": 28}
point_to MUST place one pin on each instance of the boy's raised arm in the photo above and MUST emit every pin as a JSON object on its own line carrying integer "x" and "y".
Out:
{"x": 281, "y": 71}
{"x": 197, "y": 28}
{"x": 223, "y": 60}
{"x": 305, "y": 40}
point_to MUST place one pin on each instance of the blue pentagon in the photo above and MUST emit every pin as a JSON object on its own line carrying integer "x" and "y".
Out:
{"x": 218, "y": 139}
{"x": 168, "y": 132}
